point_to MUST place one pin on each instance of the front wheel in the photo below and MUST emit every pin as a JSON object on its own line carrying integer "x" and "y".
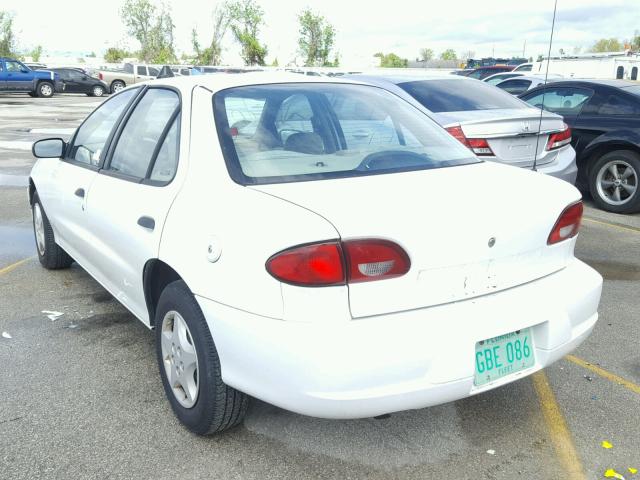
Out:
{"x": 97, "y": 91}
{"x": 613, "y": 181}
{"x": 50, "y": 254}
{"x": 190, "y": 367}
{"x": 45, "y": 90}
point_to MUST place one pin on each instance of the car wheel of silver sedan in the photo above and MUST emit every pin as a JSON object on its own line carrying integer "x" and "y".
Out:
{"x": 614, "y": 181}
{"x": 50, "y": 254}
{"x": 190, "y": 367}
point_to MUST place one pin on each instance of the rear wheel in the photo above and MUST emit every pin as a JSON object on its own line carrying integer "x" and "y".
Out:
{"x": 613, "y": 181}
{"x": 45, "y": 89}
{"x": 190, "y": 367}
{"x": 116, "y": 86}
{"x": 50, "y": 254}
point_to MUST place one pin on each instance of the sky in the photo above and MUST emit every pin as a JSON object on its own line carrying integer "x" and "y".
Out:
{"x": 488, "y": 27}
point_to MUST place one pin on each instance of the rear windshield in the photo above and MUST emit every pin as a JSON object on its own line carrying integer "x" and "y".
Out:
{"x": 459, "y": 96}
{"x": 313, "y": 131}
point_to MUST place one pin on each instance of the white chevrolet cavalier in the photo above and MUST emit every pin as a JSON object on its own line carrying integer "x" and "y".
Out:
{"x": 318, "y": 244}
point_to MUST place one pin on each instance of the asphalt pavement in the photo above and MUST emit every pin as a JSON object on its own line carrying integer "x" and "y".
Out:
{"x": 80, "y": 396}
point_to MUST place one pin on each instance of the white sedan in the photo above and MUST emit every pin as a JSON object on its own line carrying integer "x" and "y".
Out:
{"x": 315, "y": 243}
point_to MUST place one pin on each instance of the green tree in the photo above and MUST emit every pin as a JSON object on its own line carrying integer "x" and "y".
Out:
{"x": 7, "y": 37}
{"x": 316, "y": 38}
{"x": 92, "y": 55}
{"x": 448, "y": 54}
{"x": 36, "y": 53}
{"x": 607, "y": 45}
{"x": 426, "y": 54}
{"x": 152, "y": 27}
{"x": 275, "y": 62}
{"x": 115, "y": 55}
{"x": 635, "y": 42}
{"x": 212, "y": 55}
{"x": 246, "y": 19}
{"x": 391, "y": 60}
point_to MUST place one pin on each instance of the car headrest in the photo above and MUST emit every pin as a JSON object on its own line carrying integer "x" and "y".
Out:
{"x": 305, "y": 142}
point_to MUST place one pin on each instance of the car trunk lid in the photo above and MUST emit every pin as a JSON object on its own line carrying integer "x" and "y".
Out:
{"x": 469, "y": 230}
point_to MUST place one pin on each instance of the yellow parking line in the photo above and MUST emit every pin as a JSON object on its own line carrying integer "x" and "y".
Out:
{"x": 6, "y": 270}
{"x": 603, "y": 373}
{"x": 612, "y": 225}
{"x": 558, "y": 430}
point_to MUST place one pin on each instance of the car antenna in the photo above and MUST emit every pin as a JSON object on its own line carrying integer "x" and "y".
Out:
{"x": 544, "y": 89}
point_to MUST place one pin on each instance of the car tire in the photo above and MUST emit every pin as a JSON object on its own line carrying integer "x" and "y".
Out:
{"x": 182, "y": 339}
{"x": 97, "y": 91}
{"x": 50, "y": 254}
{"x": 45, "y": 90}
{"x": 614, "y": 181}
{"x": 117, "y": 85}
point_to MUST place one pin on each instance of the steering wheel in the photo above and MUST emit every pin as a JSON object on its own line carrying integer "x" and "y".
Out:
{"x": 387, "y": 159}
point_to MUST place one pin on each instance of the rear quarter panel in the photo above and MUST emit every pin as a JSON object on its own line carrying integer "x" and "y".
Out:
{"x": 244, "y": 225}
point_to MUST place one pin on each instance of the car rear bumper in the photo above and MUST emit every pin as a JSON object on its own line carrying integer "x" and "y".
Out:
{"x": 407, "y": 360}
{"x": 563, "y": 167}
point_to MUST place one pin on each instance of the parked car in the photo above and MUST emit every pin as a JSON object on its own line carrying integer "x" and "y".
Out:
{"x": 493, "y": 124}
{"x": 292, "y": 261}
{"x": 604, "y": 116}
{"x": 524, "y": 67}
{"x": 499, "y": 77}
{"x": 130, "y": 74}
{"x": 74, "y": 81}
{"x": 15, "y": 76}
{"x": 481, "y": 73}
{"x": 519, "y": 85}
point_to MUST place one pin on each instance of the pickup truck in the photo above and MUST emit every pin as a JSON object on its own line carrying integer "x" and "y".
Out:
{"x": 15, "y": 76}
{"x": 128, "y": 75}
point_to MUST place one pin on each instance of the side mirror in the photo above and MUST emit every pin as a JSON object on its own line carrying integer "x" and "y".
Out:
{"x": 49, "y": 148}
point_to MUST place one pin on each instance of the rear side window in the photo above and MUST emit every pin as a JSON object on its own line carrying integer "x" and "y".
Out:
{"x": 565, "y": 101}
{"x": 459, "y": 95}
{"x": 138, "y": 143}
{"x": 298, "y": 132}
{"x": 618, "y": 105}
{"x": 515, "y": 87}
{"x": 92, "y": 135}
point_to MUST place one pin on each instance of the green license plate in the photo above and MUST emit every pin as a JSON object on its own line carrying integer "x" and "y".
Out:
{"x": 501, "y": 356}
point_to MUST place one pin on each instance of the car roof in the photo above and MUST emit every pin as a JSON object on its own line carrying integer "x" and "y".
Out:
{"x": 221, "y": 81}
{"x": 398, "y": 79}
{"x": 597, "y": 81}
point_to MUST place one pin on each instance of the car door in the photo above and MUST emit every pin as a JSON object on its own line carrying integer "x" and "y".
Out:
{"x": 18, "y": 77}
{"x": 66, "y": 200}
{"x": 76, "y": 82}
{"x": 130, "y": 197}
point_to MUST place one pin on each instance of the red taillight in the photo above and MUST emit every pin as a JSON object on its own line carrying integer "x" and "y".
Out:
{"x": 567, "y": 225}
{"x": 100, "y": 76}
{"x": 560, "y": 139}
{"x": 338, "y": 263}
{"x": 457, "y": 133}
{"x": 479, "y": 146}
{"x": 309, "y": 265}
{"x": 374, "y": 259}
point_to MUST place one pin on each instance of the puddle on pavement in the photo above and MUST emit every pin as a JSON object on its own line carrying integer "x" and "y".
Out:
{"x": 16, "y": 241}
{"x": 13, "y": 180}
{"x": 616, "y": 270}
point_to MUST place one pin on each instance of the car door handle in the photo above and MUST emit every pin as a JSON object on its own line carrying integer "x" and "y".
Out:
{"x": 147, "y": 222}
{"x": 80, "y": 192}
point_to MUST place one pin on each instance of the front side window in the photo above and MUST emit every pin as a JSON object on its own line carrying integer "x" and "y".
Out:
{"x": 145, "y": 127}
{"x": 13, "y": 66}
{"x": 92, "y": 135}
{"x": 297, "y": 132}
{"x": 141, "y": 70}
{"x": 564, "y": 101}
{"x": 459, "y": 95}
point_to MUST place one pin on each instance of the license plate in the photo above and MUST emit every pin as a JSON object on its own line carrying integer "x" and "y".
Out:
{"x": 501, "y": 356}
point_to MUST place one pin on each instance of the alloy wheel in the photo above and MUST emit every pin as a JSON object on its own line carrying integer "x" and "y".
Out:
{"x": 617, "y": 182}
{"x": 38, "y": 227}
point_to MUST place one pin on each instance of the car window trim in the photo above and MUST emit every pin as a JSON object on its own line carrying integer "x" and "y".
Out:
{"x": 175, "y": 117}
{"x": 115, "y": 138}
{"x": 71, "y": 143}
